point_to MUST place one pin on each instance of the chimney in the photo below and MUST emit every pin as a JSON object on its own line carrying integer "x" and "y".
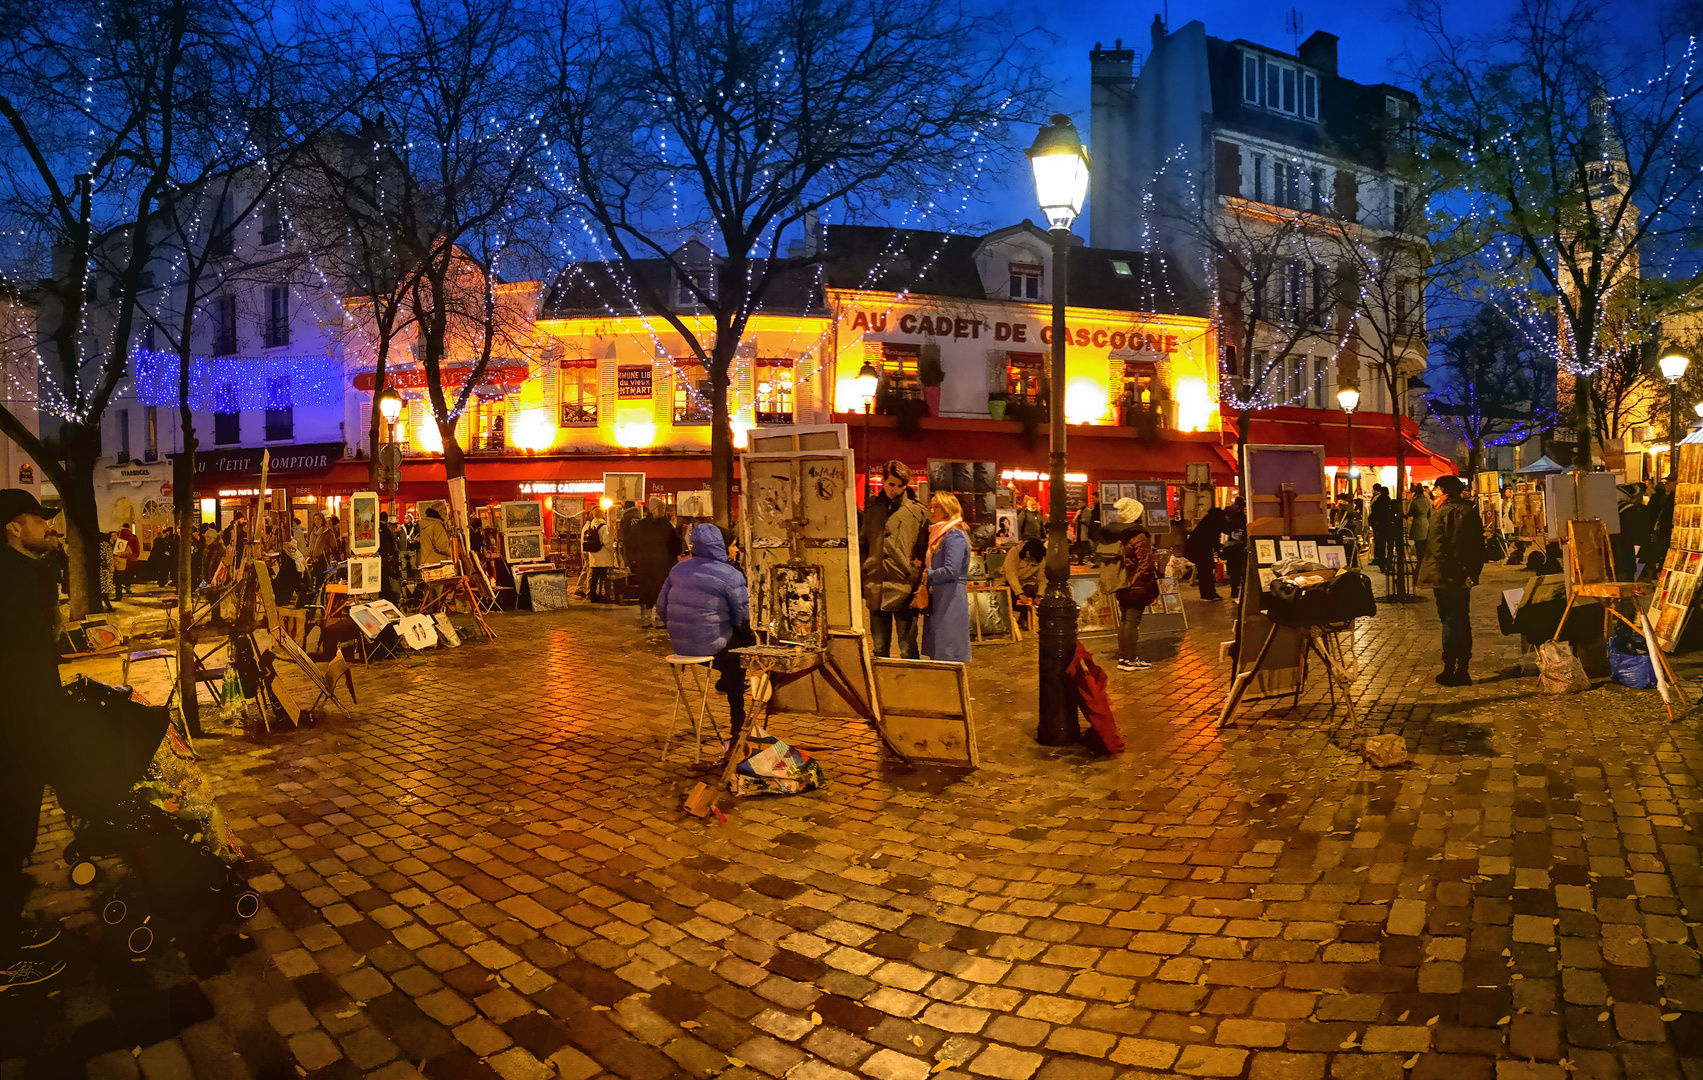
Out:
{"x": 1319, "y": 52}
{"x": 1157, "y": 30}
{"x": 1114, "y": 65}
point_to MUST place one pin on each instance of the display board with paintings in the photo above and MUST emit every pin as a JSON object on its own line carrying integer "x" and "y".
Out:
{"x": 1676, "y": 585}
{"x": 1286, "y": 508}
{"x": 975, "y": 484}
{"x": 798, "y": 511}
{"x": 1153, "y": 495}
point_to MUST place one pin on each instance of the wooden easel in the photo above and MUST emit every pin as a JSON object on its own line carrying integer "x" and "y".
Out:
{"x": 1590, "y": 573}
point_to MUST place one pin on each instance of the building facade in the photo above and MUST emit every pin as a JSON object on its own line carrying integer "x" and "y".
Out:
{"x": 1208, "y": 145}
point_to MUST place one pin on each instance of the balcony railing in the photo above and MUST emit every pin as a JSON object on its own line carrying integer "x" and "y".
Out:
{"x": 277, "y": 333}
{"x": 579, "y": 415}
{"x": 272, "y": 232}
{"x": 222, "y": 246}
{"x": 774, "y": 417}
{"x": 692, "y": 414}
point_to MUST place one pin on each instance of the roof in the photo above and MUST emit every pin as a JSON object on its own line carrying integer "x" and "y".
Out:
{"x": 944, "y": 264}
{"x": 1352, "y": 119}
{"x": 612, "y": 288}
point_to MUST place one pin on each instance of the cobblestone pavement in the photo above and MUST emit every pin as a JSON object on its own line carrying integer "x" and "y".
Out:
{"x": 483, "y": 871}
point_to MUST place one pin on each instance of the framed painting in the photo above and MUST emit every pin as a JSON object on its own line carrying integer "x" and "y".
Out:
{"x": 523, "y": 547}
{"x": 798, "y": 607}
{"x": 624, "y": 487}
{"x": 526, "y": 515}
{"x": 363, "y": 523}
{"x": 365, "y": 576}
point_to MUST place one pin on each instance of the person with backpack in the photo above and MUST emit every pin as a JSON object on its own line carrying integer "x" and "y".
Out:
{"x": 598, "y": 544}
{"x": 1129, "y": 575}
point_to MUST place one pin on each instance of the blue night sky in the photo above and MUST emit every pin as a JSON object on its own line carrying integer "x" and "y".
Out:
{"x": 1375, "y": 35}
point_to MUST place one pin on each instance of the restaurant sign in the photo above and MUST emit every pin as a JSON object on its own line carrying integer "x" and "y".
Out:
{"x": 306, "y": 457}
{"x": 633, "y": 382}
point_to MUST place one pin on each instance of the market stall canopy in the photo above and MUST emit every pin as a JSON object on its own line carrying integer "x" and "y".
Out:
{"x": 1541, "y": 466}
{"x": 500, "y": 373}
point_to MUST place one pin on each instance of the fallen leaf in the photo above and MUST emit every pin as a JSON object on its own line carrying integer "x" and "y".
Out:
{"x": 1601, "y": 1017}
{"x": 1670, "y": 1017}
{"x": 1410, "y": 1062}
{"x": 1432, "y": 1021}
{"x": 1504, "y": 1020}
{"x": 690, "y": 1024}
{"x": 1403, "y": 1017}
{"x": 815, "y": 1019}
{"x": 942, "y": 1066}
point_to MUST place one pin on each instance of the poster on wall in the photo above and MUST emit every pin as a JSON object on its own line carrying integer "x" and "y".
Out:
{"x": 633, "y": 382}
{"x": 363, "y": 522}
{"x": 621, "y": 487}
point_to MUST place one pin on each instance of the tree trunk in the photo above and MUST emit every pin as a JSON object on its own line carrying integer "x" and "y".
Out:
{"x": 721, "y": 448}
{"x": 1582, "y": 421}
{"x": 1474, "y": 456}
{"x": 185, "y": 516}
{"x": 1400, "y": 589}
{"x": 82, "y": 519}
{"x": 1244, "y": 427}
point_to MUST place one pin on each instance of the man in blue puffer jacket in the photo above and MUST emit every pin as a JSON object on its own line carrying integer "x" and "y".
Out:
{"x": 707, "y": 608}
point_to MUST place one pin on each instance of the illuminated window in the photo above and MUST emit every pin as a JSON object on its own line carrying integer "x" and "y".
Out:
{"x": 1025, "y": 377}
{"x": 774, "y": 394}
{"x": 898, "y": 373}
{"x": 691, "y": 393}
{"x": 579, "y": 393}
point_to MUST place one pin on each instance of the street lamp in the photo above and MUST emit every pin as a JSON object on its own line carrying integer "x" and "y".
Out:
{"x": 867, "y": 382}
{"x": 1673, "y": 367}
{"x": 390, "y": 407}
{"x": 1349, "y": 398}
{"x": 1060, "y": 163}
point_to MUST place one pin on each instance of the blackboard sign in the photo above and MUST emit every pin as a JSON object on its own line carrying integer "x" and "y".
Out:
{"x": 632, "y": 382}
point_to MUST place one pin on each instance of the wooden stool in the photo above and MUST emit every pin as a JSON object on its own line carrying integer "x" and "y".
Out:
{"x": 678, "y": 664}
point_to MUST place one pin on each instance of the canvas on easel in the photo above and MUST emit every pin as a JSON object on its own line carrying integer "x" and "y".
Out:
{"x": 1286, "y": 486}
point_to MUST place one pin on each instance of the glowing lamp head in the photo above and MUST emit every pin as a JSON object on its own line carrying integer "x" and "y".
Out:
{"x": 1673, "y": 366}
{"x": 1060, "y": 163}
{"x": 1349, "y": 398}
{"x": 868, "y": 381}
{"x": 389, "y": 404}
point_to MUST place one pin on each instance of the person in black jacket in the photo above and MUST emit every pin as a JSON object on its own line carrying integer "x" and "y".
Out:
{"x": 1453, "y": 560}
{"x": 29, "y": 672}
{"x": 1202, "y": 547}
{"x": 1381, "y": 518}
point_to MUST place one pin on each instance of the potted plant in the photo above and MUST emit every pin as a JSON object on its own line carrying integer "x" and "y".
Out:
{"x": 930, "y": 374}
{"x": 996, "y": 404}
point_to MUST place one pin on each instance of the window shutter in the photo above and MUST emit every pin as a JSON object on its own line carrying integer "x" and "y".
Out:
{"x": 1229, "y": 169}
{"x": 998, "y": 362}
{"x": 364, "y": 440}
{"x": 661, "y": 391}
{"x": 742, "y": 387}
{"x": 1114, "y": 382}
{"x": 805, "y": 374}
{"x": 1347, "y": 195}
{"x": 606, "y": 393}
{"x": 551, "y": 377}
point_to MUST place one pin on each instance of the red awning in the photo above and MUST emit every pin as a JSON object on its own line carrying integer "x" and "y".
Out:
{"x": 1104, "y": 453}
{"x": 504, "y": 373}
{"x": 1374, "y": 438}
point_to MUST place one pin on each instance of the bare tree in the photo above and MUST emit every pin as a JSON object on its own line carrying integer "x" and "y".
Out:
{"x": 447, "y": 179}
{"x": 1583, "y": 147}
{"x": 1494, "y": 386}
{"x": 732, "y": 122}
{"x": 90, "y": 100}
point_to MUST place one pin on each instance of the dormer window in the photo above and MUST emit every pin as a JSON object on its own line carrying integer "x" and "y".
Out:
{"x": 1121, "y": 268}
{"x": 1025, "y": 281}
{"x": 1280, "y": 87}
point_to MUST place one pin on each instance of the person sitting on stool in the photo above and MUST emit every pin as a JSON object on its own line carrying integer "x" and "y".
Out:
{"x": 1022, "y": 572}
{"x": 707, "y": 610}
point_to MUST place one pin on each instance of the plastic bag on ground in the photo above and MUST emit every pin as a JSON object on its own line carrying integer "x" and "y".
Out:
{"x": 1559, "y": 671}
{"x": 1386, "y": 751}
{"x": 776, "y": 768}
{"x": 1629, "y": 661}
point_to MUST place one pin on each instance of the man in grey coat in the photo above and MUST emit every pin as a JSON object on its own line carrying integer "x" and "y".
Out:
{"x": 895, "y": 540}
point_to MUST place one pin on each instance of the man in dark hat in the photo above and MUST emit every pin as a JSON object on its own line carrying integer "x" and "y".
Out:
{"x": 29, "y": 671}
{"x": 1454, "y": 558}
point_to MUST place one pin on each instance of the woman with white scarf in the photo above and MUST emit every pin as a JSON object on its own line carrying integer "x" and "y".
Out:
{"x": 946, "y": 634}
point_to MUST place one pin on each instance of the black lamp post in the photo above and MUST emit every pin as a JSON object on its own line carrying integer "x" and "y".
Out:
{"x": 868, "y": 381}
{"x": 1673, "y": 368}
{"x": 1060, "y": 163}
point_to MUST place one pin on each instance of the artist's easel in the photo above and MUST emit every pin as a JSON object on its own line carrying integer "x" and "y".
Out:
{"x": 992, "y": 589}
{"x": 456, "y": 588}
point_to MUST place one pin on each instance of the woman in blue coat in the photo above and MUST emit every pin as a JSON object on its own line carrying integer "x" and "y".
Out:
{"x": 946, "y": 635}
